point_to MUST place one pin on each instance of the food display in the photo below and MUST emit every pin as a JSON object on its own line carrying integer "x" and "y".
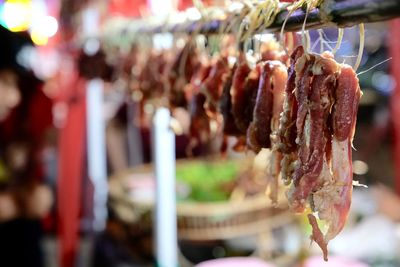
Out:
{"x": 303, "y": 112}
{"x": 298, "y": 105}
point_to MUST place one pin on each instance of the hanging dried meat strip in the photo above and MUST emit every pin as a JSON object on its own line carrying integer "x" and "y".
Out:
{"x": 333, "y": 200}
{"x": 243, "y": 94}
{"x": 213, "y": 85}
{"x": 321, "y": 101}
{"x": 199, "y": 129}
{"x": 151, "y": 83}
{"x": 259, "y": 130}
{"x": 268, "y": 105}
{"x": 179, "y": 74}
{"x": 194, "y": 86}
{"x": 317, "y": 76}
{"x": 286, "y": 134}
{"x": 243, "y": 97}
{"x": 229, "y": 127}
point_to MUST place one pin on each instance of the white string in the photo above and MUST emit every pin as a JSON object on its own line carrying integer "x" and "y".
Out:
{"x": 361, "y": 49}
{"x": 339, "y": 40}
{"x": 374, "y": 66}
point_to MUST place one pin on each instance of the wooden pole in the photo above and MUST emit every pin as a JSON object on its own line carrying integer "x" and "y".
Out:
{"x": 334, "y": 13}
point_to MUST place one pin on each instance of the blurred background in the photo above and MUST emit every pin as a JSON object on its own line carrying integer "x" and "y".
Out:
{"x": 77, "y": 180}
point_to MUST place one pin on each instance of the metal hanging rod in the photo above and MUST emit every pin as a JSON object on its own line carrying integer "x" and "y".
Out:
{"x": 331, "y": 13}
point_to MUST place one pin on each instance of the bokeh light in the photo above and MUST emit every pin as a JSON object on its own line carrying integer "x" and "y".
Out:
{"x": 46, "y": 25}
{"x": 38, "y": 38}
{"x": 16, "y": 15}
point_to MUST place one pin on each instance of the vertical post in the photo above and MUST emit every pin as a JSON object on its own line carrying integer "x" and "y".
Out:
{"x": 394, "y": 44}
{"x": 135, "y": 150}
{"x": 97, "y": 151}
{"x": 165, "y": 211}
{"x": 163, "y": 142}
{"x": 71, "y": 159}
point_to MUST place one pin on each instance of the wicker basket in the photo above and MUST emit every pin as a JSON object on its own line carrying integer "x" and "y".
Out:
{"x": 205, "y": 221}
{"x": 230, "y": 219}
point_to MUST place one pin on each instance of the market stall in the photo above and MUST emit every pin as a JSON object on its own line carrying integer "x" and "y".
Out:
{"x": 264, "y": 17}
{"x": 188, "y": 131}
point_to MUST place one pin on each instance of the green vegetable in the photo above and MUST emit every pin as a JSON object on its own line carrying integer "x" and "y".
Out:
{"x": 206, "y": 179}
